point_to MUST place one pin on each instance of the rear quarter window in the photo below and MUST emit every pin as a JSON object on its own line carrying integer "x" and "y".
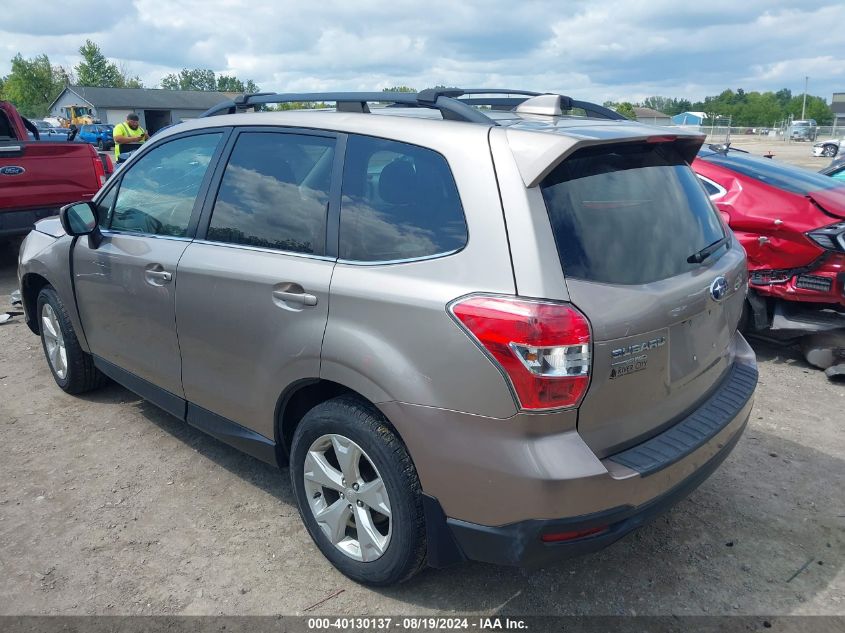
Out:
{"x": 628, "y": 214}
{"x": 398, "y": 202}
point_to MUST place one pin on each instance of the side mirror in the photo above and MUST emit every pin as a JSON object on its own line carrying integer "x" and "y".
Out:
{"x": 79, "y": 218}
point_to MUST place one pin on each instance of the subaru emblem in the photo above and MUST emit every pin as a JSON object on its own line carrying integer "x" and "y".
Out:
{"x": 719, "y": 289}
{"x": 11, "y": 170}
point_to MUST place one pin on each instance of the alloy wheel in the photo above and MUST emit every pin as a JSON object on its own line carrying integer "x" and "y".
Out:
{"x": 348, "y": 497}
{"x": 54, "y": 342}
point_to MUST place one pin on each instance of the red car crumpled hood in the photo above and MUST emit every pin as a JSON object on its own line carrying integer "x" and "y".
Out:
{"x": 831, "y": 200}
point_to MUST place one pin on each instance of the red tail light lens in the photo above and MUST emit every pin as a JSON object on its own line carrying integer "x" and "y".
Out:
{"x": 543, "y": 348}
{"x": 558, "y": 537}
{"x": 98, "y": 168}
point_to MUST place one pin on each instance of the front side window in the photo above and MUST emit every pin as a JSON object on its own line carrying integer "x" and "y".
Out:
{"x": 275, "y": 192}
{"x": 158, "y": 193}
{"x": 104, "y": 208}
{"x": 399, "y": 202}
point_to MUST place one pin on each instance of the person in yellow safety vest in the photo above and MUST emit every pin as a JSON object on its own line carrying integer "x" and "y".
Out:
{"x": 130, "y": 131}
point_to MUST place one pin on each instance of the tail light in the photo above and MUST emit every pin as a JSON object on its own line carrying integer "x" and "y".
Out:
{"x": 559, "y": 537}
{"x": 98, "y": 168}
{"x": 543, "y": 348}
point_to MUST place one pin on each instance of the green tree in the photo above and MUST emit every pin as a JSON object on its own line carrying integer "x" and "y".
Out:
{"x": 784, "y": 96}
{"x": 33, "y": 84}
{"x": 132, "y": 82}
{"x": 817, "y": 109}
{"x": 226, "y": 83}
{"x": 759, "y": 110}
{"x": 191, "y": 79}
{"x": 624, "y": 108}
{"x": 205, "y": 79}
{"x": 399, "y": 89}
{"x": 96, "y": 70}
{"x": 667, "y": 105}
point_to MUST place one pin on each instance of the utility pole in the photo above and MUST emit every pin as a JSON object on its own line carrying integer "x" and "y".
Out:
{"x": 804, "y": 107}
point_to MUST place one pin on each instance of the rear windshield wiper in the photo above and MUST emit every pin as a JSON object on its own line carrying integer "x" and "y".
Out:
{"x": 707, "y": 251}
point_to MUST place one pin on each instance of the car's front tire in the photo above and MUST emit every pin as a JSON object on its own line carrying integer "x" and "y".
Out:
{"x": 72, "y": 369}
{"x": 829, "y": 151}
{"x": 358, "y": 492}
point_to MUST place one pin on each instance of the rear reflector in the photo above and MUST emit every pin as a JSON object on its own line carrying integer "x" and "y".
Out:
{"x": 542, "y": 347}
{"x": 557, "y": 537}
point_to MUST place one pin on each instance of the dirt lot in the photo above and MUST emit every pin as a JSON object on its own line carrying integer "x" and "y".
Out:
{"x": 109, "y": 506}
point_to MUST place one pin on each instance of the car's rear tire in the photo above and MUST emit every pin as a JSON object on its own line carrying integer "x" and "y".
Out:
{"x": 72, "y": 369}
{"x": 349, "y": 468}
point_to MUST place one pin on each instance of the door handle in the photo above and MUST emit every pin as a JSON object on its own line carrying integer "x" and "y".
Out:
{"x": 161, "y": 276}
{"x": 295, "y": 297}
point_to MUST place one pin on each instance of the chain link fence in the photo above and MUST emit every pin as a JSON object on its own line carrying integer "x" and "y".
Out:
{"x": 719, "y": 133}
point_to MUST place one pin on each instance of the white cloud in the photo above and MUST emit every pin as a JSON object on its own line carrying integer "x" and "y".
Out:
{"x": 614, "y": 50}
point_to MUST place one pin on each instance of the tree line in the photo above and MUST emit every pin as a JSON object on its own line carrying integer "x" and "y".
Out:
{"x": 34, "y": 83}
{"x": 744, "y": 109}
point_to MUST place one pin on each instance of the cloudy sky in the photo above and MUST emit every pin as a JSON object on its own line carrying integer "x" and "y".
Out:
{"x": 614, "y": 49}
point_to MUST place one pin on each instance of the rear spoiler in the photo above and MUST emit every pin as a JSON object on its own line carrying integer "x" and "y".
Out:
{"x": 538, "y": 153}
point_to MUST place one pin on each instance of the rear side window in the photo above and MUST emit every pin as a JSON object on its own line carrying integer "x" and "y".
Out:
{"x": 628, "y": 214}
{"x": 274, "y": 193}
{"x": 399, "y": 202}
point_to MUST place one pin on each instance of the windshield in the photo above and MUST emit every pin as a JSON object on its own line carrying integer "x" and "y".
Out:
{"x": 772, "y": 172}
{"x": 629, "y": 214}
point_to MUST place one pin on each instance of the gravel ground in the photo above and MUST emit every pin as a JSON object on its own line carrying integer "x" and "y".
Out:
{"x": 110, "y": 506}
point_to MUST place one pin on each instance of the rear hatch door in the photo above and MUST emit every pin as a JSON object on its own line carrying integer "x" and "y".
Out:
{"x": 662, "y": 281}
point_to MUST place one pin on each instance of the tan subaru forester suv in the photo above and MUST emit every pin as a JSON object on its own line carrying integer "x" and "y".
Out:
{"x": 475, "y": 324}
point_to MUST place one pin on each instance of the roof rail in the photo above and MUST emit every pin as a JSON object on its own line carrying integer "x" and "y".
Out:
{"x": 449, "y": 107}
{"x": 447, "y": 100}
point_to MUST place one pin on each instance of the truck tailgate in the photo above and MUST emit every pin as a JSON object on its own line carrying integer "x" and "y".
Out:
{"x": 43, "y": 174}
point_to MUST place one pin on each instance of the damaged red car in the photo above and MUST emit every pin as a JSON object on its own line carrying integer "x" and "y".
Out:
{"x": 791, "y": 222}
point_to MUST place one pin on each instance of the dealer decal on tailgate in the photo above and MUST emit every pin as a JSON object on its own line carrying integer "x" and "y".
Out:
{"x": 630, "y": 359}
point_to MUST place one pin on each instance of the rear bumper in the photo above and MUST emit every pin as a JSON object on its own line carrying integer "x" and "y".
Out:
{"x": 534, "y": 485}
{"x": 14, "y": 223}
{"x": 520, "y": 544}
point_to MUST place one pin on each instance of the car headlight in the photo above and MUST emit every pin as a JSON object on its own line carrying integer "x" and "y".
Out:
{"x": 831, "y": 238}
{"x": 818, "y": 144}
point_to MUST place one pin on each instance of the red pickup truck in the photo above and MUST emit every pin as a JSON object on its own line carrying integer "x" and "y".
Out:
{"x": 38, "y": 177}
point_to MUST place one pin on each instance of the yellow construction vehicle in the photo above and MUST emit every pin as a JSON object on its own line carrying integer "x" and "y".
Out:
{"x": 77, "y": 115}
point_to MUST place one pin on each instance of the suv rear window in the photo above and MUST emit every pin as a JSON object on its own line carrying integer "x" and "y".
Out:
{"x": 628, "y": 214}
